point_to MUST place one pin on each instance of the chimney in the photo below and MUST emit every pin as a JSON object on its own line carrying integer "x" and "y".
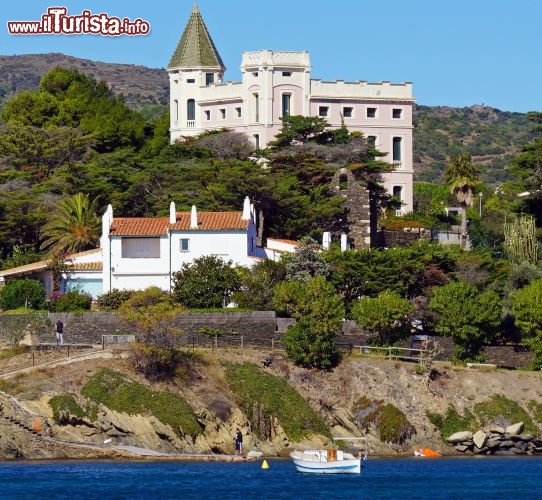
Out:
{"x": 326, "y": 240}
{"x": 344, "y": 242}
{"x": 172, "y": 213}
{"x": 246, "y": 209}
{"x": 194, "y": 218}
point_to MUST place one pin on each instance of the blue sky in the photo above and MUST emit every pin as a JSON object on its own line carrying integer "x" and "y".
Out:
{"x": 456, "y": 53}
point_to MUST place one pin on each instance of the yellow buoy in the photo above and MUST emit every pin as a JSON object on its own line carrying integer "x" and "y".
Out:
{"x": 265, "y": 465}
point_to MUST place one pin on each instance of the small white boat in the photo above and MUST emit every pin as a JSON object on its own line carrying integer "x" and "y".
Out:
{"x": 326, "y": 462}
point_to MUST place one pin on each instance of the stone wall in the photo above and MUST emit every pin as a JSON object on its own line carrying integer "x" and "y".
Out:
{"x": 391, "y": 239}
{"x": 258, "y": 329}
{"x": 358, "y": 210}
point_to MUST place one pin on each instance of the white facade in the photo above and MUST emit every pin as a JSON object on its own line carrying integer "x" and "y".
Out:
{"x": 279, "y": 83}
{"x": 142, "y": 252}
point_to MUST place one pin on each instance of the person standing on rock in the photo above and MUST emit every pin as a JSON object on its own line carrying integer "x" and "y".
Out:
{"x": 238, "y": 442}
{"x": 59, "y": 331}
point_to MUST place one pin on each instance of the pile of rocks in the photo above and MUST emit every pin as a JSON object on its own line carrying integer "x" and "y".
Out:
{"x": 497, "y": 441}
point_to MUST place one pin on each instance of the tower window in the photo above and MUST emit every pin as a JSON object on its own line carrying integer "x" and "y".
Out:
{"x": 397, "y": 113}
{"x": 209, "y": 78}
{"x": 286, "y": 104}
{"x": 286, "y": 73}
{"x": 397, "y": 143}
{"x": 190, "y": 109}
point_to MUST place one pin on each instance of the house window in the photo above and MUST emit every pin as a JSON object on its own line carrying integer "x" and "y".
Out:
{"x": 207, "y": 114}
{"x": 140, "y": 248}
{"x": 222, "y": 113}
{"x": 397, "y": 146}
{"x": 323, "y": 110}
{"x": 176, "y": 110}
{"x": 238, "y": 111}
{"x": 397, "y": 113}
{"x": 209, "y": 78}
{"x": 256, "y": 104}
{"x": 397, "y": 192}
{"x": 371, "y": 141}
{"x": 286, "y": 73}
{"x": 191, "y": 109}
{"x": 286, "y": 102}
{"x": 256, "y": 138}
{"x": 371, "y": 112}
{"x": 347, "y": 112}
{"x": 185, "y": 245}
{"x": 190, "y": 80}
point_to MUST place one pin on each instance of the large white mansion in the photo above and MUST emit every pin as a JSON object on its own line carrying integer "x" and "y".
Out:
{"x": 277, "y": 84}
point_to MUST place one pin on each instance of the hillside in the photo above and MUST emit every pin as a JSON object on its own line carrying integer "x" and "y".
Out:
{"x": 490, "y": 135}
{"x": 352, "y": 391}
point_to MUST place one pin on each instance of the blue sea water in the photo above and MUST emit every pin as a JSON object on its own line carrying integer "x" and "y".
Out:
{"x": 444, "y": 478}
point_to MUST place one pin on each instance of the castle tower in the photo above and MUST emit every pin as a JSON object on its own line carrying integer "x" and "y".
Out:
{"x": 194, "y": 65}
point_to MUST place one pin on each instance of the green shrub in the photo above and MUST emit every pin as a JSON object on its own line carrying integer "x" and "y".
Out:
{"x": 70, "y": 302}
{"x": 22, "y": 293}
{"x": 112, "y": 300}
{"x": 264, "y": 397}
{"x": 453, "y": 422}
{"x": 64, "y": 407}
{"x": 392, "y": 424}
{"x": 118, "y": 392}
{"x": 503, "y": 411}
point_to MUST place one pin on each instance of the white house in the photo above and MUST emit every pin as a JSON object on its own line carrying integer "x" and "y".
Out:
{"x": 138, "y": 252}
{"x": 276, "y": 84}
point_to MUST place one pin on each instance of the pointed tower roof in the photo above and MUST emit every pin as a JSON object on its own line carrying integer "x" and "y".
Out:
{"x": 196, "y": 48}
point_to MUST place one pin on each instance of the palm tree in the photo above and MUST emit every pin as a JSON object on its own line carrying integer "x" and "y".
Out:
{"x": 74, "y": 228}
{"x": 462, "y": 177}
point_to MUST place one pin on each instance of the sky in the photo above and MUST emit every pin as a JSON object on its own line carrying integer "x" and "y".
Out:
{"x": 460, "y": 53}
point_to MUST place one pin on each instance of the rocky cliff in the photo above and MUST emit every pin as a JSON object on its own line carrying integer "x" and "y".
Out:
{"x": 345, "y": 398}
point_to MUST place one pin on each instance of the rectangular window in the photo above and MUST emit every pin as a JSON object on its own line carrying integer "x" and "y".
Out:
{"x": 185, "y": 245}
{"x": 323, "y": 110}
{"x": 256, "y": 141}
{"x": 209, "y": 78}
{"x": 286, "y": 73}
{"x": 256, "y": 101}
{"x": 176, "y": 110}
{"x": 371, "y": 112}
{"x": 223, "y": 114}
{"x": 286, "y": 102}
{"x": 371, "y": 141}
{"x": 140, "y": 248}
{"x": 207, "y": 114}
{"x": 190, "y": 80}
{"x": 347, "y": 112}
{"x": 238, "y": 111}
{"x": 397, "y": 143}
{"x": 396, "y": 113}
{"x": 255, "y": 73}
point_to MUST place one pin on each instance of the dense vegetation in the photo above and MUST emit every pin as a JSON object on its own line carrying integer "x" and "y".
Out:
{"x": 264, "y": 397}
{"x": 73, "y": 146}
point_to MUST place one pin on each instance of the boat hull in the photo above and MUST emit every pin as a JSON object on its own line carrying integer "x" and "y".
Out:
{"x": 317, "y": 463}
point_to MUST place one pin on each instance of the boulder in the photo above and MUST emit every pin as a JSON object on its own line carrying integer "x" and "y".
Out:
{"x": 459, "y": 437}
{"x": 496, "y": 429}
{"x": 479, "y": 439}
{"x": 515, "y": 429}
{"x": 461, "y": 447}
{"x": 493, "y": 443}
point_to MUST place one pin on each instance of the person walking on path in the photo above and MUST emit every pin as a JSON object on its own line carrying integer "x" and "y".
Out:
{"x": 238, "y": 442}
{"x": 59, "y": 331}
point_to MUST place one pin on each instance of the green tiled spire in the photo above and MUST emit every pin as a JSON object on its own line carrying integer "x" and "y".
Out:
{"x": 196, "y": 48}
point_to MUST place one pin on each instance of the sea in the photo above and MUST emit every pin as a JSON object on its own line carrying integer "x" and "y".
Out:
{"x": 413, "y": 478}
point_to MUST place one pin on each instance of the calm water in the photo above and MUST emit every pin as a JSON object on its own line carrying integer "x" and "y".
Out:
{"x": 477, "y": 478}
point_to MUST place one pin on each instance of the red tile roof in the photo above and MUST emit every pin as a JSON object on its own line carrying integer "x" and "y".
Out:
{"x": 157, "y": 226}
{"x": 87, "y": 266}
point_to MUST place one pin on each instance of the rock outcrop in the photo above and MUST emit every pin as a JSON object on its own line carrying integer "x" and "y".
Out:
{"x": 497, "y": 441}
